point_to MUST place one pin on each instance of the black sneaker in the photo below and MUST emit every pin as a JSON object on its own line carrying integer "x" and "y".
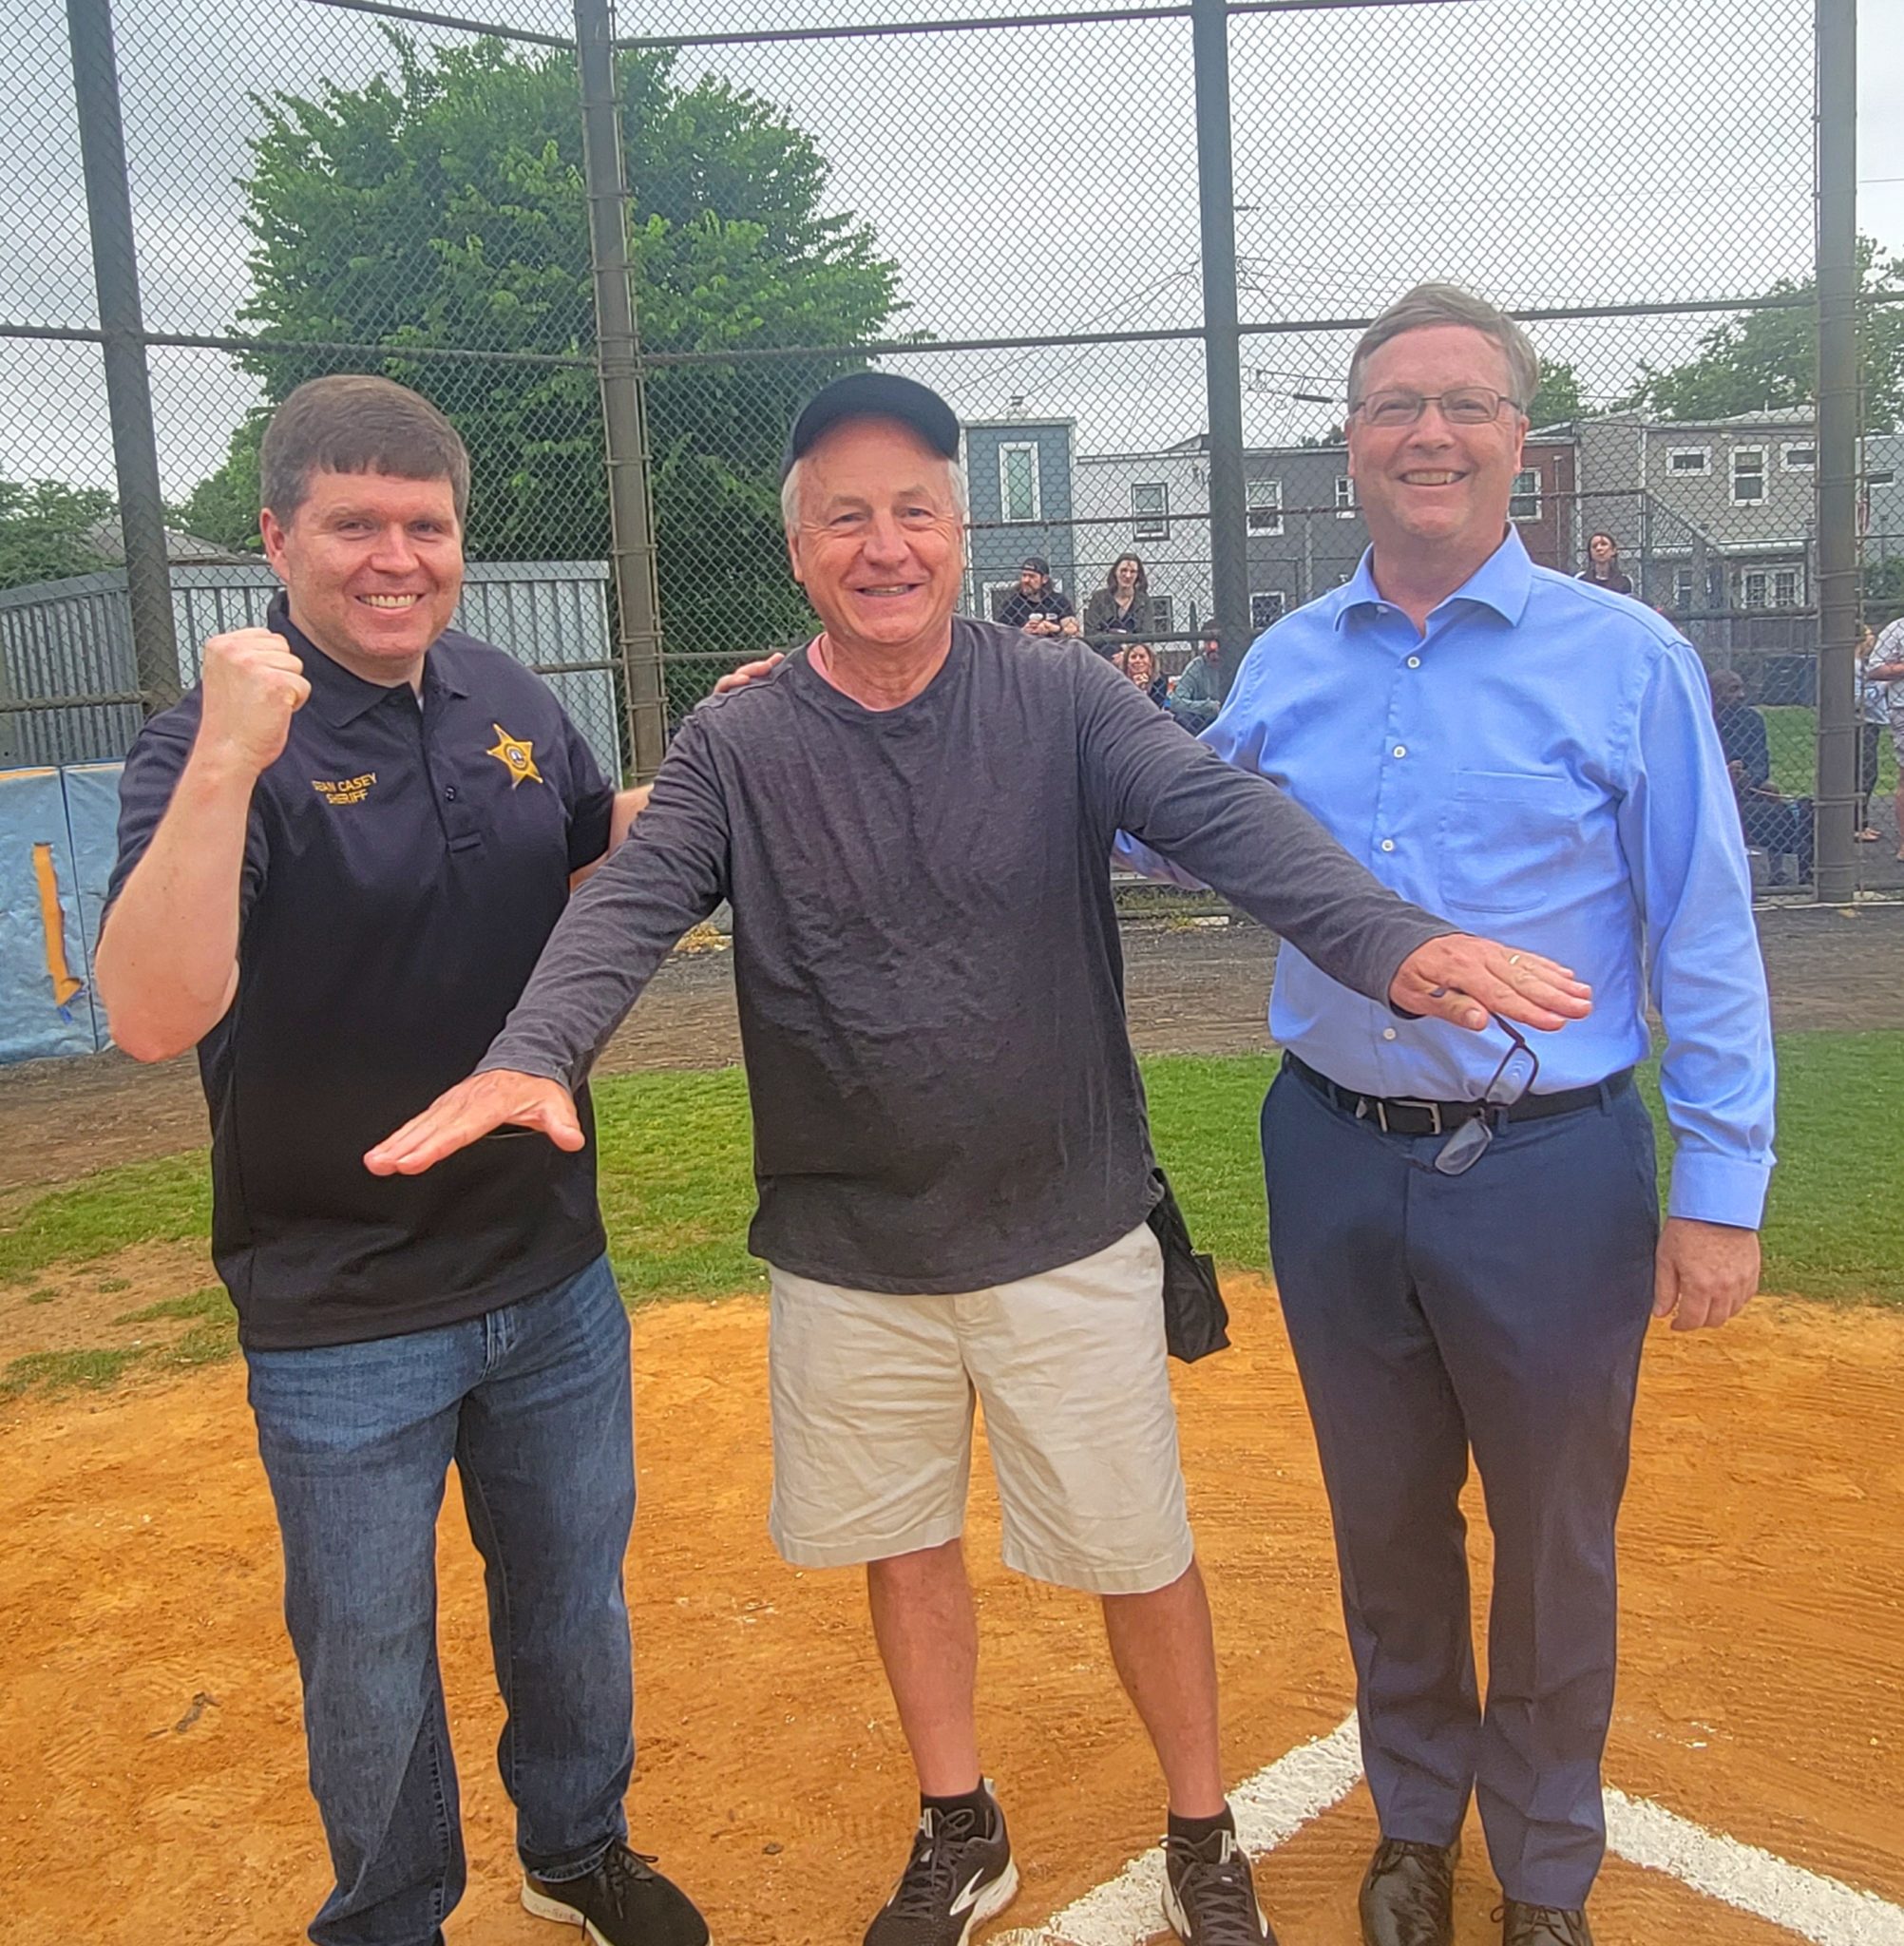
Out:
{"x": 619, "y": 1904}
{"x": 959, "y": 1875}
{"x": 1209, "y": 1898}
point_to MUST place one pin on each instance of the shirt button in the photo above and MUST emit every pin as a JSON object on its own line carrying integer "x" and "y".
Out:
{"x": 1388, "y": 844}
{"x": 1388, "y": 1033}
{"x": 1401, "y": 749}
{"x": 1414, "y": 662}
{"x": 449, "y": 792}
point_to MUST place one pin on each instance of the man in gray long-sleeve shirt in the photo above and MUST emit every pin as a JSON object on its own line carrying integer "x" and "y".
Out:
{"x": 913, "y": 818}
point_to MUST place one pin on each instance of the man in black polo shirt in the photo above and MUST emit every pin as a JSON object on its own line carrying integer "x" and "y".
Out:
{"x": 339, "y": 857}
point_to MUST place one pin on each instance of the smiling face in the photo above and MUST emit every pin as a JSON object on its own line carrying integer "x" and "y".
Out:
{"x": 1126, "y": 573}
{"x": 1432, "y": 488}
{"x": 1140, "y": 665}
{"x": 372, "y": 568}
{"x": 878, "y": 541}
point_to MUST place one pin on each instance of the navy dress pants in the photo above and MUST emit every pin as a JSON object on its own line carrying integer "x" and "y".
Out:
{"x": 1500, "y": 1312}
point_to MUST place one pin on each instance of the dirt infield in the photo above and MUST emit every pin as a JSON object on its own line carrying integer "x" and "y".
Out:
{"x": 148, "y": 1707}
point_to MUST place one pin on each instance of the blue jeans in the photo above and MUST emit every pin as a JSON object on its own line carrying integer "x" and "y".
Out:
{"x": 532, "y": 1403}
{"x": 1499, "y": 1313}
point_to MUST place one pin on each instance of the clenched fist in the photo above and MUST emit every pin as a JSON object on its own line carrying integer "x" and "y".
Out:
{"x": 252, "y": 685}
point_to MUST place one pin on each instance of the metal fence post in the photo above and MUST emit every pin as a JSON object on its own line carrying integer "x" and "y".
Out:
{"x": 1221, "y": 340}
{"x": 129, "y": 391}
{"x": 624, "y": 417}
{"x": 1837, "y": 476}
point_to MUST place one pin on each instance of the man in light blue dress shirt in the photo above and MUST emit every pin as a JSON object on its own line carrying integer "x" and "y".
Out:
{"x": 1535, "y": 757}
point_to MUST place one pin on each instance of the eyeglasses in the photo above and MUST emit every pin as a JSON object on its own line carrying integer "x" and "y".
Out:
{"x": 1513, "y": 1079}
{"x": 1467, "y": 405}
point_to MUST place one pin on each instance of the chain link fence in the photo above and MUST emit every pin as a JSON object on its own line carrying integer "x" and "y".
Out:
{"x": 1131, "y": 245}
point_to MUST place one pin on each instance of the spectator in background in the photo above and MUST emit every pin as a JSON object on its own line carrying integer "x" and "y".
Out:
{"x": 1122, "y": 605}
{"x": 1603, "y": 565}
{"x": 1887, "y": 668}
{"x": 1874, "y": 713}
{"x": 1778, "y": 826}
{"x": 1198, "y": 694}
{"x": 1139, "y": 662}
{"x": 1039, "y": 606}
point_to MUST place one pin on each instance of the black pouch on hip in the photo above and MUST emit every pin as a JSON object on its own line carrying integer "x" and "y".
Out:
{"x": 1196, "y": 1320}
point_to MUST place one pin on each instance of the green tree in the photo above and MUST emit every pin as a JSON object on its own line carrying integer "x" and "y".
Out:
{"x": 1768, "y": 359}
{"x": 45, "y": 530}
{"x": 1558, "y": 399}
{"x": 445, "y": 205}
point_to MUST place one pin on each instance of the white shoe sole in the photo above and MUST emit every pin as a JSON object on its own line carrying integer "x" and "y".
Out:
{"x": 993, "y": 1899}
{"x": 1178, "y": 1919}
{"x": 539, "y": 1907}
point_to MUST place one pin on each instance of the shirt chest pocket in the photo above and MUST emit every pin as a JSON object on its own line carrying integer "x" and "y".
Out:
{"x": 1504, "y": 835}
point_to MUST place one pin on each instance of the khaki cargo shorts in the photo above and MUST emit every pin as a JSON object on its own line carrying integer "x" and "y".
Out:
{"x": 873, "y": 1401}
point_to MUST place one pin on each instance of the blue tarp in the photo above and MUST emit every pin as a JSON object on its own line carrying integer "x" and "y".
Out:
{"x": 57, "y": 837}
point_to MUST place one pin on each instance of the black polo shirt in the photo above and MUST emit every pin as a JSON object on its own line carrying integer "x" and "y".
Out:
{"x": 404, "y": 865}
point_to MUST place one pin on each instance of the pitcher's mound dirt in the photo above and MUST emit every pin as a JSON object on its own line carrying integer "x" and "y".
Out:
{"x": 154, "y": 1785}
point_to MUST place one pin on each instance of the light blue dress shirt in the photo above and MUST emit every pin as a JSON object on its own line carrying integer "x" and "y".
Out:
{"x": 1541, "y": 767}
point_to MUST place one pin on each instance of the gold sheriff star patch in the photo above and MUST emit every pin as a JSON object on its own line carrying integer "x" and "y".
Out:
{"x": 517, "y": 755}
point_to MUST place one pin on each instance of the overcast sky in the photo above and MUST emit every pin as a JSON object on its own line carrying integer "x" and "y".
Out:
{"x": 1548, "y": 152}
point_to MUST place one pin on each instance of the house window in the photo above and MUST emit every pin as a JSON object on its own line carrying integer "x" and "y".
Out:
{"x": 1682, "y": 588}
{"x": 1525, "y": 502}
{"x": 1749, "y": 475}
{"x": 1690, "y": 459}
{"x": 1265, "y": 609}
{"x": 1263, "y": 500}
{"x": 1753, "y": 588}
{"x": 997, "y": 595}
{"x": 1345, "y": 508}
{"x": 1801, "y": 458}
{"x": 1784, "y": 587}
{"x": 1883, "y": 479}
{"x": 1163, "y": 614}
{"x": 1150, "y": 511}
{"x": 1018, "y": 482}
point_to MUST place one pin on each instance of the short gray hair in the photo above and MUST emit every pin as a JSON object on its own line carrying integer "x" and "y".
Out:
{"x": 1433, "y": 304}
{"x": 790, "y": 493}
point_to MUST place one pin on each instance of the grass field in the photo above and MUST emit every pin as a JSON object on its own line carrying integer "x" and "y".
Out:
{"x": 1791, "y": 731}
{"x": 677, "y": 1193}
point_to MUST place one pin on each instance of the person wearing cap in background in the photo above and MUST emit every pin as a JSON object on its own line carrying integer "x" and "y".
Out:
{"x": 913, "y": 819}
{"x": 1198, "y": 693}
{"x": 338, "y": 857}
{"x": 1037, "y": 605}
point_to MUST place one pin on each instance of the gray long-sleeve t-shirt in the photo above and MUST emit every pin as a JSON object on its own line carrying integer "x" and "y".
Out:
{"x": 926, "y": 949}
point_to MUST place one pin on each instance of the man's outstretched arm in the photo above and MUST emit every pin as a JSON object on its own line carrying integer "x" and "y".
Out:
{"x": 670, "y": 875}
{"x": 1238, "y": 833}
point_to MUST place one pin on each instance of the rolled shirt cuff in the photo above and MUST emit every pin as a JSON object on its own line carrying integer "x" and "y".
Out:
{"x": 1719, "y": 1188}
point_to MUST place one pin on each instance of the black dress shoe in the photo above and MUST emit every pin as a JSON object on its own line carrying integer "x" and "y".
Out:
{"x": 1408, "y": 1894}
{"x": 1543, "y": 1925}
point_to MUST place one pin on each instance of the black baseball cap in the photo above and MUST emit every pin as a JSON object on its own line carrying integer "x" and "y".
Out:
{"x": 1037, "y": 563}
{"x": 872, "y": 395}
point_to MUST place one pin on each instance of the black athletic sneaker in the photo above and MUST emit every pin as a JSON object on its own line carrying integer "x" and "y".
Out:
{"x": 619, "y": 1904}
{"x": 959, "y": 1875}
{"x": 1209, "y": 1898}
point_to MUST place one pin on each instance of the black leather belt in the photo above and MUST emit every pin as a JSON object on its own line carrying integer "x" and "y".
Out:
{"x": 1400, "y": 1116}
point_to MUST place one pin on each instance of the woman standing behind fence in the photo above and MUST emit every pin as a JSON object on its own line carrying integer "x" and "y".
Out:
{"x": 1122, "y": 605}
{"x": 1603, "y": 565}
